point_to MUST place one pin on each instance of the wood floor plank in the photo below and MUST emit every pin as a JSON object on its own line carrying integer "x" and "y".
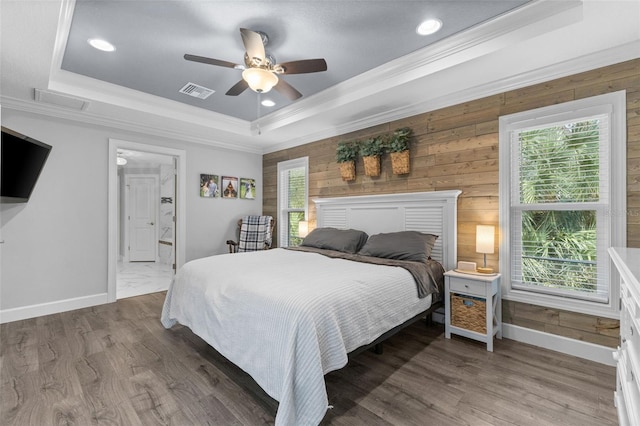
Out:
{"x": 21, "y": 403}
{"x": 79, "y": 335}
{"x": 154, "y": 403}
{"x": 19, "y": 348}
{"x": 116, "y": 365}
{"x": 232, "y": 395}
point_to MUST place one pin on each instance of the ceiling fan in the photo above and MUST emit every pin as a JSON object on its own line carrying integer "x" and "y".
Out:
{"x": 260, "y": 72}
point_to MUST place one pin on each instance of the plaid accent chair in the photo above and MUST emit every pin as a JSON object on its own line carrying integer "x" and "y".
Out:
{"x": 253, "y": 233}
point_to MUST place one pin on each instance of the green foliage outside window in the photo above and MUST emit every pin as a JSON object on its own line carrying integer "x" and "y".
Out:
{"x": 560, "y": 164}
{"x": 296, "y": 188}
{"x": 297, "y": 194}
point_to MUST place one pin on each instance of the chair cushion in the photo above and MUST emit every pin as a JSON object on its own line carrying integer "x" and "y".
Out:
{"x": 255, "y": 233}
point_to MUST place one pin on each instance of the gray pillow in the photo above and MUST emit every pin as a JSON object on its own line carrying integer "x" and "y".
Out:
{"x": 345, "y": 240}
{"x": 404, "y": 245}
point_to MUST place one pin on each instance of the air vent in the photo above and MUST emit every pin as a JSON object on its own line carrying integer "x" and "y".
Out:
{"x": 196, "y": 91}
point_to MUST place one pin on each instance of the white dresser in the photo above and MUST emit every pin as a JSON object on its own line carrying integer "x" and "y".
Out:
{"x": 627, "y": 394}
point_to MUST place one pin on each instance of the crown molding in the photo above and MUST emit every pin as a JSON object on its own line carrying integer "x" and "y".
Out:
{"x": 112, "y": 94}
{"x": 85, "y": 117}
{"x": 449, "y": 52}
{"x": 286, "y": 127}
{"x": 470, "y": 44}
{"x": 570, "y": 67}
{"x": 92, "y": 89}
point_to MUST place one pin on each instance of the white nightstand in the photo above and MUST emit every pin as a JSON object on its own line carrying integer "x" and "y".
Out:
{"x": 473, "y": 306}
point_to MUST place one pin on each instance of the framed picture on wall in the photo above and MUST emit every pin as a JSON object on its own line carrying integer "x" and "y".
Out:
{"x": 209, "y": 186}
{"x": 229, "y": 187}
{"x": 247, "y": 189}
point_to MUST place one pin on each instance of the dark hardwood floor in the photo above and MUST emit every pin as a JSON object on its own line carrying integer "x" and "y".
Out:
{"x": 116, "y": 365}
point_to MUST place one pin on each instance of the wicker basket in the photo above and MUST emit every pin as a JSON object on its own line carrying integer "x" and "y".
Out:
{"x": 348, "y": 170}
{"x": 371, "y": 165}
{"x": 400, "y": 162}
{"x": 469, "y": 312}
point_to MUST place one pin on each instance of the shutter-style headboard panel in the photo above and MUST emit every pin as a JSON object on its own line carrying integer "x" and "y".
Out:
{"x": 430, "y": 212}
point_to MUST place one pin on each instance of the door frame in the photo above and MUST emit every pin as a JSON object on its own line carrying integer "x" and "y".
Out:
{"x": 112, "y": 225}
{"x": 127, "y": 207}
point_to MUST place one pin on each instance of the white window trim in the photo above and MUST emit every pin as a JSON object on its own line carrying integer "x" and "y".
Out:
{"x": 617, "y": 212}
{"x": 282, "y": 213}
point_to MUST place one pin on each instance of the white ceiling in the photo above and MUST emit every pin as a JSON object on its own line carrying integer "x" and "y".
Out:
{"x": 379, "y": 69}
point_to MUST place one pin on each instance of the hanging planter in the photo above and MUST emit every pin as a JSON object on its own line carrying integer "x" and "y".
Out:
{"x": 370, "y": 151}
{"x": 400, "y": 162}
{"x": 346, "y": 156}
{"x": 372, "y": 165}
{"x": 348, "y": 170}
{"x": 398, "y": 149}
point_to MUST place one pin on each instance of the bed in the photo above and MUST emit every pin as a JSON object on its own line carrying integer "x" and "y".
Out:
{"x": 288, "y": 317}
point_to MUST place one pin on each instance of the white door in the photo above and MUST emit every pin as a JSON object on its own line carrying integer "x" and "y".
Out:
{"x": 143, "y": 202}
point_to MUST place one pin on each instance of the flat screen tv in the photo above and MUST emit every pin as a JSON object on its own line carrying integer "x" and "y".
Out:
{"x": 21, "y": 161}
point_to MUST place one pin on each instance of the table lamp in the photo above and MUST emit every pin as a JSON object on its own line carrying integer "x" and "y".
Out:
{"x": 484, "y": 244}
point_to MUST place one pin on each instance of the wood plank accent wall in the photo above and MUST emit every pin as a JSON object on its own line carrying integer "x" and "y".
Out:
{"x": 457, "y": 148}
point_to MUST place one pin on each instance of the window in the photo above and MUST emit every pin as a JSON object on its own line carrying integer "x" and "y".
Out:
{"x": 292, "y": 199}
{"x": 562, "y": 198}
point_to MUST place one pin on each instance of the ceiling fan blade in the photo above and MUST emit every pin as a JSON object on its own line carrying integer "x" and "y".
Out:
{"x": 253, "y": 44}
{"x": 287, "y": 90}
{"x": 237, "y": 88}
{"x": 210, "y": 61}
{"x": 303, "y": 66}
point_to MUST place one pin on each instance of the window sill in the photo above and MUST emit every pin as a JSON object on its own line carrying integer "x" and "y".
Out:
{"x": 605, "y": 310}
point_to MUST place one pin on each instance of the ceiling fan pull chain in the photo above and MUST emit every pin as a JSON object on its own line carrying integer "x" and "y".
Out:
{"x": 258, "y": 115}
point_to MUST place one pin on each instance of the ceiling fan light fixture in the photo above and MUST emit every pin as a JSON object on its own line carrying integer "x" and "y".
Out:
{"x": 259, "y": 80}
{"x": 429, "y": 26}
{"x": 268, "y": 103}
{"x": 121, "y": 161}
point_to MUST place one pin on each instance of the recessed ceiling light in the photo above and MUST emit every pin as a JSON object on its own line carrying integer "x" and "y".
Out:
{"x": 268, "y": 103}
{"x": 100, "y": 44}
{"x": 429, "y": 26}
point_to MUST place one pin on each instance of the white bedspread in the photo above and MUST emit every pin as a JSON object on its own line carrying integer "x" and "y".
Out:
{"x": 288, "y": 317}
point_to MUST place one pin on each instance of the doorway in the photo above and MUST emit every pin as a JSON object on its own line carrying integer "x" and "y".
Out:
{"x": 146, "y": 218}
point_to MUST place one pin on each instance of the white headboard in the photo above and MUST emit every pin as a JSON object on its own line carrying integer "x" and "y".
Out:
{"x": 431, "y": 212}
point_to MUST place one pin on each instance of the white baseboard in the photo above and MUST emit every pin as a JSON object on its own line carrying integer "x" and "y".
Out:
{"x": 565, "y": 345}
{"x": 32, "y": 311}
{"x": 578, "y": 348}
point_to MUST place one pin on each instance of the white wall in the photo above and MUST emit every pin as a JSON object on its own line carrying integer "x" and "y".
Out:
{"x": 55, "y": 246}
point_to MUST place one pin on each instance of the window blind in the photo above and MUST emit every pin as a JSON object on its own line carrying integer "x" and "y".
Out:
{"x": 292, "y": 199}
{"x": 559, "y": 203}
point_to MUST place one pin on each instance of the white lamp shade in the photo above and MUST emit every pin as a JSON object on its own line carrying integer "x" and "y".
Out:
{"x": 303, "y": 228}
{"x": 259, "y": 80}
{"x": 485, "y": 239}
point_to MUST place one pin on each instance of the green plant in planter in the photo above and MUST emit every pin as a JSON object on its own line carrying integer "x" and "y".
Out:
{"x": 346, "y": 156}
{"x": 370, "y": 150}
{"x": 399, "y": 140}
{"x": 372, "y": 147}
{"x": 398, "y": 149}
{"x": 347, "y": 151}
